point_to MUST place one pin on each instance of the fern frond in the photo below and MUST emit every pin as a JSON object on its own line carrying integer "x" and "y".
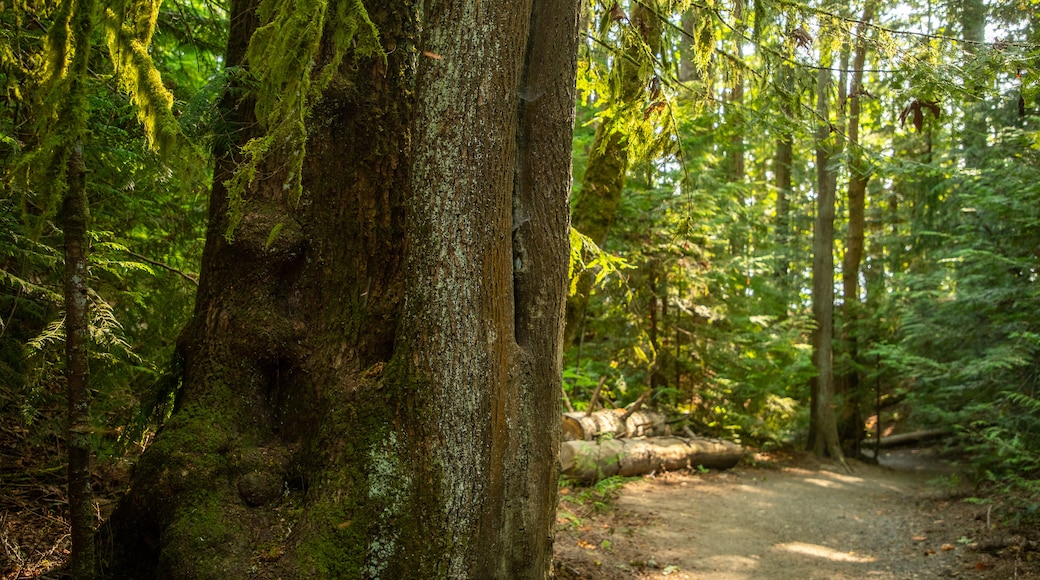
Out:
{"x": 586, "y": 255}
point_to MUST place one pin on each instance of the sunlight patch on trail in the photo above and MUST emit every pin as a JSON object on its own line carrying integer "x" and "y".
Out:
{"x": 823, "y": 483}
{"x": 819, "y": 551}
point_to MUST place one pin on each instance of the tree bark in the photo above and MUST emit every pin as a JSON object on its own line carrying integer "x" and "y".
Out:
{"x": 75, "y": 213}
{"x": 782, "y": 170}
{"x": 851, "y": 417}
{"x": 372, "y": 374}
{"x": 823, "y": 436}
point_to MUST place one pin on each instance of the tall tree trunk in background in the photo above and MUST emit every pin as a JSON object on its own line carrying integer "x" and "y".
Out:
{"x": 851, "y": 417}
{"x": 372, "y": 375}
{"x": 596, "y": 203}
{"x": 738, "y": 243}
{"x": 658, "y": 286}
{"x": 782, "y": 165}
{"x": 687, "y": 60}
{"x": 735, "y": 118}
{"x": 74, "y": 217}
{"x": 976, "y": 125}
{"x": 734, "y": 151}
{"x": 823, "y": 431}
{"x": 74, "y": 37}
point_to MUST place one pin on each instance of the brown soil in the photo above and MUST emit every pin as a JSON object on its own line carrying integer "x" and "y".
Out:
{"x": 794, "y": 518}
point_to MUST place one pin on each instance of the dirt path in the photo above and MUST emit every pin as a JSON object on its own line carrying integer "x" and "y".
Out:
{"x": 798, "y": 520}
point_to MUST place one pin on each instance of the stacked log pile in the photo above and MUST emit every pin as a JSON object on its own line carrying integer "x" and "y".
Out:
{"x": 615, "y": 423}
{"x": 618, "y": 442}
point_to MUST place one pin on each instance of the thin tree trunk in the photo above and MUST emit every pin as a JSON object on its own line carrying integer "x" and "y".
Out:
{"x": 687, "y": 65}
{"x": 734, "y": 119}
{"x": 658, "y": 289}
{"x": 851, "y": 420}
{"x": 823, "y": 437}
{"x": 75, "y": 215}
{"x": 82, "y": 518}
{"x": 976, "y": 125}
{"x": 782, "y": 171}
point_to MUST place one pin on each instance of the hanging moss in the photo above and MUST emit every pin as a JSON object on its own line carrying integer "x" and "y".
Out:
{"x": 283, "y": 56}
{"x": 137, "y": 75}
{"x": 61, "y": 107}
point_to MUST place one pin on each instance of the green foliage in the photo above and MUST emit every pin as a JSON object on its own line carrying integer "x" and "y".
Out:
{"x": 577, "y": 501}
{"x": 148, "y": 207}
{"x": 128, "y": 31}
{"x": 62, "y": 88}
{"x": 970, "y": 338}
{"x": 620, "y": 81}
{"x": 586, "y": 256}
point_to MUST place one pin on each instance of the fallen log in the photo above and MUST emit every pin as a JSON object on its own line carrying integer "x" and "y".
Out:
{"x": 586, "y": 427}
{"x": 906, "y": 438}
{"x": 589, "y": 461}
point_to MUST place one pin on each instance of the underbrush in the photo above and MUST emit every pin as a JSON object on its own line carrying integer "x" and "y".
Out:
{"x": 578, "y": 501}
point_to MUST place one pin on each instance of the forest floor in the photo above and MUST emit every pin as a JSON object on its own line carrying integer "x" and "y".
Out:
{"x": 792, "y": 517}
{"x": 783, "y": 517}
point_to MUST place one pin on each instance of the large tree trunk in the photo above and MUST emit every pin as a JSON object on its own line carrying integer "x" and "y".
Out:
{"x": 372, "y": 374}
{"x": 596, "y": 203}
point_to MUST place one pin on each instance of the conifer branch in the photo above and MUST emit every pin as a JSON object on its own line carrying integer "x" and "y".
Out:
{"x": 189, "y": 277}
{"x": 888, "y": 30}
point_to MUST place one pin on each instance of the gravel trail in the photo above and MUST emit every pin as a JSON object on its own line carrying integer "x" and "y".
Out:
{"x": 803, "y": 520}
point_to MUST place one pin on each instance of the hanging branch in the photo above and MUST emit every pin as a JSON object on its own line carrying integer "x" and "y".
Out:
{"x": 636, "y": 405}
{"x": 566, "y": 399}
{"x": 595, "y": 395}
